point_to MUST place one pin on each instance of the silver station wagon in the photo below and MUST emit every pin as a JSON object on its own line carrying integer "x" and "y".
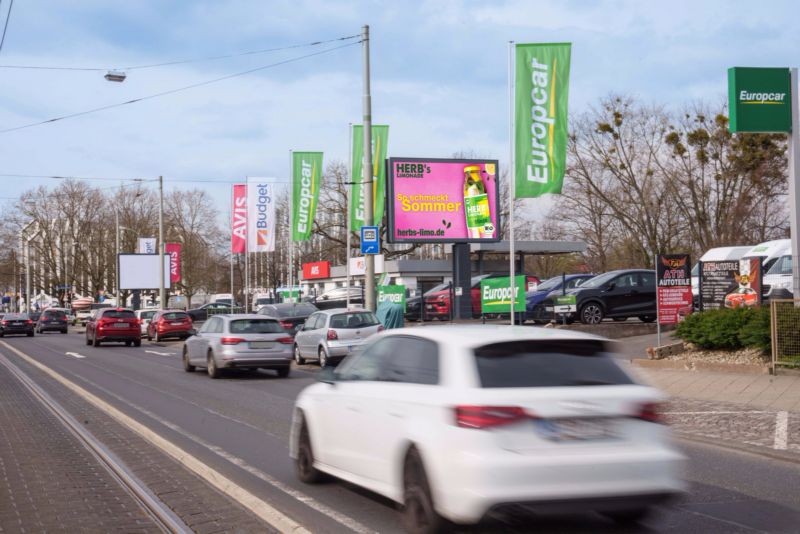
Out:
{"x": 329, "y": 335}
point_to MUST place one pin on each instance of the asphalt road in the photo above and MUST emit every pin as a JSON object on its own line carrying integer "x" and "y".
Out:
{"x": 239, "y": 425}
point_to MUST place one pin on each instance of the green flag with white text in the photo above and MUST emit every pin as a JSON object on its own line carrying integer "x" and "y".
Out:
{"x": 380, "y": 137}
{"x": 306, "y": 178}
{"x": 540, "y": 118}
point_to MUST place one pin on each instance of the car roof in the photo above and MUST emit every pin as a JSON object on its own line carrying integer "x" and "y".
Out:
{"x": 233, "y": 316}
{"x": 470, "y": 336}
{"x": 333, "y": 311}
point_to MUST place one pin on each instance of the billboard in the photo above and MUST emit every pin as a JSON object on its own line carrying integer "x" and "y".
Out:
{"x": 759, "y": 99}
{"x": 443, "y": 200}
{"x": 261, "y": 199}
{"x": 673, "y": 287}
{"x": 316, "y": 269}
{"x": 395, "y": 294}
{"x": 496, "y": 294}
{"x": 730, "y": 283}
{"x": 140, "y": 271}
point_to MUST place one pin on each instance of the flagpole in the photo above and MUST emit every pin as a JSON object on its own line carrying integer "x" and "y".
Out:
{"x": 512, "y": 175}
{"x": 231, "y": 251}
{"x": 246, "y": 284}
{"x": 347, "y": 206}
{"x": 291, "y": 240}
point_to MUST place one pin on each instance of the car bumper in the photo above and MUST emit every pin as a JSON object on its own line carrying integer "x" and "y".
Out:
{"x": 181, "y": 333}
{"x": 267, "y": 360}
{"x": 469, "y": 488}
{"x": 126, "y": 334}
{"x": 16, "y": 331}
{"x": 782, "y": 293}
{"x": 53, "y": 327}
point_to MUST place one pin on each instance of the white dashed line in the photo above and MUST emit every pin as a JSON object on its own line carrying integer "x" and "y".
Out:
{"x": 75, "y": 355}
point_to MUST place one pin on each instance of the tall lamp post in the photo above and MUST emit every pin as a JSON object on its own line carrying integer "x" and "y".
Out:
{"x": 26, "y": 253}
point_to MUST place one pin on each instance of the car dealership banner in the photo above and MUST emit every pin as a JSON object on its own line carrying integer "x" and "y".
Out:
{"x": 496, "y": 294}
{"x": 541, "y": 94}
{"x": 173, "y": 250}
{"x": 261, "y": 224}
{"x": 673, "y": 287}
{"x": 306, "y": 178}
{"x": 730, "y": 283}
{"x": 380, "y": 138}
{"x": 317, "y": 269}
{"x": 443, "y": 200}
{"x": 394, "y": 293}
{"x": 239, "y": 219}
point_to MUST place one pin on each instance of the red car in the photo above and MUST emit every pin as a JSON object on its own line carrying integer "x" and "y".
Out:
{"x": 437, "y": 304}
{"x": 113, "y": 324}
{"x": 169, "y": 323}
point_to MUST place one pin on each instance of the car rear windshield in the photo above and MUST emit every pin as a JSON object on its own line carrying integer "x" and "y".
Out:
{"x": 354, "y": 320}
{"x": 175, "y": 316}
{"x": 256, "y": 326}
{"x": 525, "y": 364}
{"x": 119, "y": 314}
{"x": 296, "y": 310}
{"x": 53, "y": 314}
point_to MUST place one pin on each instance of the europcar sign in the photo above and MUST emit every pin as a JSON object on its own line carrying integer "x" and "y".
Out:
{"x": 760, "y": 99}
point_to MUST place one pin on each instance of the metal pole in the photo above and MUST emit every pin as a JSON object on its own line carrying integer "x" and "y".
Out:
{"x": 794, "y": 184}
{"x": 289, "y": 226}
{"x": 347, "y": 208}
{"x": 28, "y": 275}
{"x": 511, "y": 189}
{"x": 231, "y": 251}
{"x": 367, "y": 186}
{"x": 116, "y": 258}
{"x": 658, "y": 318}
{"x": 161, "y": 293}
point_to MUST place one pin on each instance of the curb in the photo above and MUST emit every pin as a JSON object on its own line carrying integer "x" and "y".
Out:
{"x": 688, "y": 365}
{"x": 738, "y": 447}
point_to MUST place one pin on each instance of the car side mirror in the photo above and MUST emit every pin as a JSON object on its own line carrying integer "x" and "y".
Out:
{"x": 192, "y": 332}
{"x": 327, "y": 376}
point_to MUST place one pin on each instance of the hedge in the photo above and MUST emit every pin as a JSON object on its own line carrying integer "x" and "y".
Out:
{"x": 728, "y": 329}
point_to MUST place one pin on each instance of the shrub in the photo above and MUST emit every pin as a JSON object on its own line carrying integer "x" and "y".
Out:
{"x": 727, "y": 329}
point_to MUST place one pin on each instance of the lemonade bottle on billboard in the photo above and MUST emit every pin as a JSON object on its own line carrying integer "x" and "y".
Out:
{"x": 476, "y": 204}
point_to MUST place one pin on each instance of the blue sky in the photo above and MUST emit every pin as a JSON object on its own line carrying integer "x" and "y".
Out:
{"x": 439, "y": 77}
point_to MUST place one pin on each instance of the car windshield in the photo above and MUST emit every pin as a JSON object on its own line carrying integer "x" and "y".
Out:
{"x": 15, "y": 317}
{"x": 535, "y": 363}
{"x": 434, "y": 289}
{"x": 255, "y": 326}
{"x": 782, "y": 266}
{"x": 55, "y": 314}
{"x": 295, "y": 310}
{"x": 354, "y": 320}
{"x": 147, "y": 314}
{"x": 599, "y": 280}
{"x": 549, "y": 284}
{"x": 119, "y": 314}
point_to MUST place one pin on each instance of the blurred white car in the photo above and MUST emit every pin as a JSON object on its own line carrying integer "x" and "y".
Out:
{"x": 459, "y": 422}
{"x": 145, "y": 315}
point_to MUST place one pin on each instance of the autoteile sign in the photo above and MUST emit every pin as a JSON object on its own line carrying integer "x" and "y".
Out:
{"x": 759, "y": 99}
{"x": 730, "y": 284}
{"x": 496, "y": 294}
{"x": 673, "y": 287}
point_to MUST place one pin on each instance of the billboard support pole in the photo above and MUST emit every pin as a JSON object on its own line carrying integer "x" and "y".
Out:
{"x": 658, "y": 311}
{"x": 794, "y": 182}
{"x": 291, "y": 231}
{"x": 161, "y": 293}
{"x": 511, "y": 188}
{"x": 366, "y": 180}
{"x": 347, "y": 209}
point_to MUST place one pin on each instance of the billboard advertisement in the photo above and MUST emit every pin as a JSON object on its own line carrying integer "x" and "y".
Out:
{"x": 140, "y": 271}
{"x": 261, "y": 199}
{"x": 730, "y": 284}
{"x": 673, "y": 287}
{"x": 239, "y": 219}
{"x": 443, "y": 200}
{"x": 496, "y": 294}
{"x": 173, "y": 250}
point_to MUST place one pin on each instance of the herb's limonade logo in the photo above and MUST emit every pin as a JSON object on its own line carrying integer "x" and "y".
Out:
{"x": 411, "y": 170}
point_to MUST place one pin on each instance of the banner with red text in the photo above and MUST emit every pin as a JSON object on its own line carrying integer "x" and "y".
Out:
{"x": 173, "y": 250}
{"x": 239, "y": 219}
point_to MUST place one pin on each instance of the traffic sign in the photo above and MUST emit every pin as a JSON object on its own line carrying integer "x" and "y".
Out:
{"x": 370, "y": 240}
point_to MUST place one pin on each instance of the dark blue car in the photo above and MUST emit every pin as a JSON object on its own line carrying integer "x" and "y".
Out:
{"x": 534, "y": 309}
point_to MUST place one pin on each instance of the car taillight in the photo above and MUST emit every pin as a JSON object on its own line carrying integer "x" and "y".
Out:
{"x": 332, "y": 335}
{"x": 649, "y": 412}
{"x": 286, "y": 324}
{"x": 231, "y": 340}
{"x": 489, "y": 416}
{"x": 285, "y": 340}
{"x": 5, "y": 323}
{"x": 28, "y": 322}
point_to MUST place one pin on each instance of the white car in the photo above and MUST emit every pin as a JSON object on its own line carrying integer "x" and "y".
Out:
{"x": 145, "y": 315}
{"x": 457, "y": 422}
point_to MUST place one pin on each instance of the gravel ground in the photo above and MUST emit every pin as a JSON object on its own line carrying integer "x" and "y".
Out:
{"x": 749, "y": 356}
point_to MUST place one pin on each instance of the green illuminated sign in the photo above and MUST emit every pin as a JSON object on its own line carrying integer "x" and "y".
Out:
{"x": 760, "y": 100}
{"x": 496, "y": 294}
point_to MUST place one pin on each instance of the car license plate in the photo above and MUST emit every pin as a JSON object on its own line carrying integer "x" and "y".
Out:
{"x": 176, "y": 324}
{"x": 428, "y": 306}
{"x": 17, "y": 323}
{"x": 261, "y": 344}
{"x": 575, "y": 429}
{"x": 121, "y": 325}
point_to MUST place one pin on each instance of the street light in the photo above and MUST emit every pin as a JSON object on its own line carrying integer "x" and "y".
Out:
{"x": 115, "y": 76}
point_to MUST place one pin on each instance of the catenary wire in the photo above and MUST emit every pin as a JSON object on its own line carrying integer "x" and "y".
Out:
{"x": 5, "y": 26}
{"x": 177, "y": 90}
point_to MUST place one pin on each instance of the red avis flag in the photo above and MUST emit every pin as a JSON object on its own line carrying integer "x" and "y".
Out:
{"x": 173, "y": 250}
{"x": 239, "y": 219}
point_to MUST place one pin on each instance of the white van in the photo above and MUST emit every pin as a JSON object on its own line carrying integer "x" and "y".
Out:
{"x": 714, "y": 254}
{"x": 777, "y": 283}
{"x": 769, "y": 252}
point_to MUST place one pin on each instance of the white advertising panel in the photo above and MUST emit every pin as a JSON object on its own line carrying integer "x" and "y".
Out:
{"x": 358, "y": 265}
{"x": 261, "y": 200}
{"x": 140, "y": 271}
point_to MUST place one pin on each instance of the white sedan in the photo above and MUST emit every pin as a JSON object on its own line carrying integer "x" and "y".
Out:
{"x": 456, "y": 423}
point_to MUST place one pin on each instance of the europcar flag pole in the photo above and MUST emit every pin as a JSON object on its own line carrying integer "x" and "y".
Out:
{"x": 380, "y": 137}
{"x": 306, "y": 178}
{"x": 261, "y": 200}
{"x": 540, "y": 118}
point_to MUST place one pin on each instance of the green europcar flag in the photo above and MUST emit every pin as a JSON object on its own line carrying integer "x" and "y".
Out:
{"x": 380, "y": 137}
{"x": 541, "y": 93}
{"x": 306, "y": 178}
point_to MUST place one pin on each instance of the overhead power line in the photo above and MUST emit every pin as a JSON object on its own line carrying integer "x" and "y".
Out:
{"x": 5, "y": 26}
{"x": 177, "y": 90}
{"x": 183, "y": 61}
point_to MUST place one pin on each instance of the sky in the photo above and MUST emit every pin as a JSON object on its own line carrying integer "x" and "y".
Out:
{"x": 439, "y": 77}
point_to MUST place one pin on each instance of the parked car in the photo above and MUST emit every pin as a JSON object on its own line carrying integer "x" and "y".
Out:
{"x": 778, "y": 282}
{"x": 742, "y": 297}
{"x": 337, "y": 298}
{"x": 81, "y": 316}
{"x": 52, "y": 319}
{"x": 261, "y": 300}
{"x": 330, "y": 335}
{"x": 113, "y": 324}
{"x": 534, "y": 300}
{"x": 437, "y": 303}
{"x": 145, "y": 315}
{"x": 169, "y": 323}
{"x": 16, "y": 323}
{"x": 414, "y": 307}
{"x": 291, "y": 315}
{"x": 549, "y": 413}
{"x": 212, "y": 308}
{"x": 241, "y": 341}
{"x": 616, "y": 294}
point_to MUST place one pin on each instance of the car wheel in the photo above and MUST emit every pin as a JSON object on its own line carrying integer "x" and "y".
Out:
{"x": 591, "y": 313}
{"x": 647, "y": 318}
{"x": 137, "y": 342}
{"x": 283, "y": 372}
{"x": 188, "y": 367}
{"x": 297, "y": 357}
{"x": 128, "y": 343}
{"x": 323, "y": 357}
{"x": 157, "y": 338}
{"x": 211, "y": 367}
{"x": 64, "y": 331}
{"x": 304, "y": 463}
{"x": 419, "y": 515}
{"x": 95, "y": 341}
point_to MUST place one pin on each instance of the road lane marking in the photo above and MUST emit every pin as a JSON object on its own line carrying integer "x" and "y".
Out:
{"x": 717, "y": 412}
{"x": 781, "y": 430}
{"x": 261, "y": 508}
{"x": 74, "y": 354}
{"x": 161, "y": 353}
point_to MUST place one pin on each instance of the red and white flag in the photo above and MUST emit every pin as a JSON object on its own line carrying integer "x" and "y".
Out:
{"x": 173, "y": 250}
{"x": 239, "y": 219}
